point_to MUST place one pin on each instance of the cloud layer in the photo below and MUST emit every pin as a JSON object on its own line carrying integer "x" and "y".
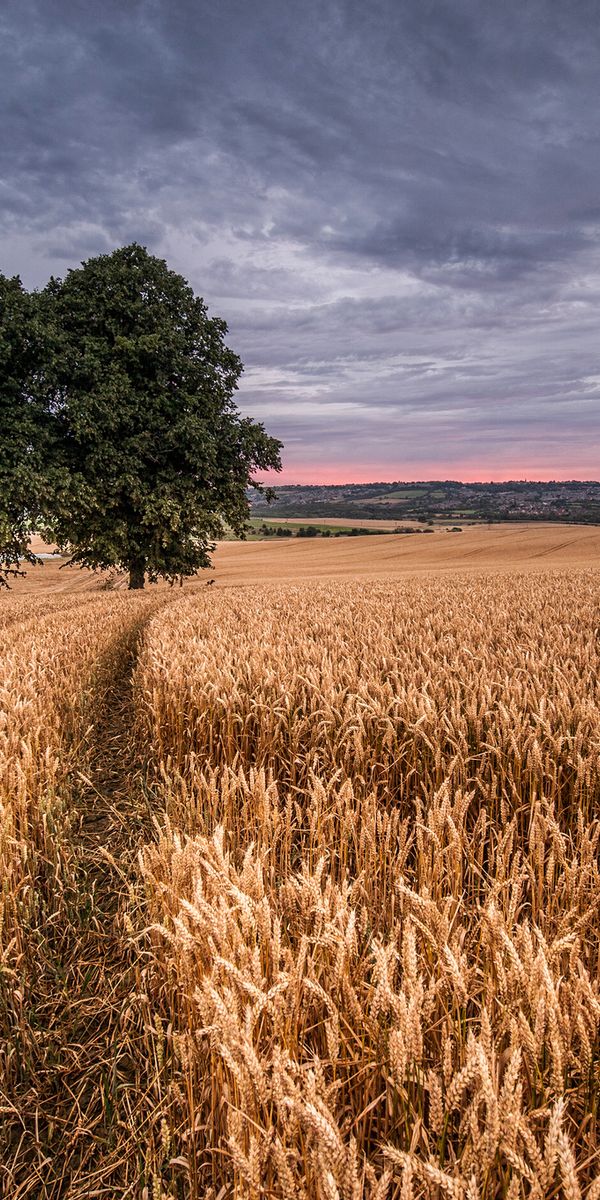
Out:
{"x": 396, "y": 207}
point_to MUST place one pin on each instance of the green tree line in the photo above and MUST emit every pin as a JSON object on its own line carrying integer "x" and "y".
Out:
{"x": 119, "y": 436}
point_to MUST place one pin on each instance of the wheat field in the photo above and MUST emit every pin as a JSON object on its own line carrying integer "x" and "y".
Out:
{"x": 301, "y": 888}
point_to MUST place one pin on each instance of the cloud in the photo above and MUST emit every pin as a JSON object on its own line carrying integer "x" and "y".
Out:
{"x": 394, "y": 206}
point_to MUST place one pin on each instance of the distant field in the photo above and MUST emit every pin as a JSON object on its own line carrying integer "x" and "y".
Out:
{"x": 339, "y": 528}
{"x": 39, "y": 546}
{"x": 497, "y": 547}
{"x": 339, "y": 522}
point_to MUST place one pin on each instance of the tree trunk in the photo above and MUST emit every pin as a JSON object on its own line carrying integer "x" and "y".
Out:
{"x": 137, "y": 571}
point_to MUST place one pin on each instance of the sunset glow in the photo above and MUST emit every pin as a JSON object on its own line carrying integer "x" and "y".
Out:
{"x": 375, "y": 473}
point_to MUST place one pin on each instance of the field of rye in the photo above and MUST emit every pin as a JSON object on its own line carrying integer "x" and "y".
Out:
{"x": 357, "y": 893}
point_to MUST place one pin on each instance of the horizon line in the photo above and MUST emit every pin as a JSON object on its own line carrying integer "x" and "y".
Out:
{"x": 414, "y": 482}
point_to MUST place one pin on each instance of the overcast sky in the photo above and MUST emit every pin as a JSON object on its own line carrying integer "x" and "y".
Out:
{"x": 395, "y": 204}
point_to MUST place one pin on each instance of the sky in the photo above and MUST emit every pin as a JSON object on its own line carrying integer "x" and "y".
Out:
{"x": 394, "y": 204}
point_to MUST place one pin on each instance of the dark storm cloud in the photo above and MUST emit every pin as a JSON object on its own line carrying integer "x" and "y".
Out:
{"x": 395, "y": 205}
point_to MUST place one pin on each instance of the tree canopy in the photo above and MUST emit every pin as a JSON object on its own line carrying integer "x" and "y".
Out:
{"x": 25, "y": 470}
{"x": 148, "y": 454}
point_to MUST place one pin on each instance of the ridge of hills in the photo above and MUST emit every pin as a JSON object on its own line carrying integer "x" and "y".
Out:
{"x": 573, "y": 501}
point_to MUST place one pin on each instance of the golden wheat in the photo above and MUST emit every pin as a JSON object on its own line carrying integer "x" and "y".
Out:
{"x": 375, "y": 899}
{"x": 365, "y": 934}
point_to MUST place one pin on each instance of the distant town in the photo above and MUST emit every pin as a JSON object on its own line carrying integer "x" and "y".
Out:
{"x": 573, "y": 502}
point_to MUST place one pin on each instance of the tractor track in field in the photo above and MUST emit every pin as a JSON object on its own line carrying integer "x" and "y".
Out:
{"x": 79, "y": 1116}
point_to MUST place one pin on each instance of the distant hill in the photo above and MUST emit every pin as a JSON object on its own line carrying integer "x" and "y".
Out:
{"x": 438, "y": 500}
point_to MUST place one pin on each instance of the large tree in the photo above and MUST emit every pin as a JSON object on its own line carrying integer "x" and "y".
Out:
{"x": 25, "y": 471}
{"x": 140, "y": 386}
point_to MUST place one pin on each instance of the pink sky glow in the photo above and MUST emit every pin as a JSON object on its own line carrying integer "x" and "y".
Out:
{"x": 377, "y": 473}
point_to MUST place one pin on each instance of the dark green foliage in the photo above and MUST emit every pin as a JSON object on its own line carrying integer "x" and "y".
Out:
{"x": 24, "y": 467}
{"x": 155, "y": 455}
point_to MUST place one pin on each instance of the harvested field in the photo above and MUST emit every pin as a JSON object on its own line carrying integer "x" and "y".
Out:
{"x": 497, "y": 547}
{"x": 301, "y": 878}
{"x": 346, "y": 522}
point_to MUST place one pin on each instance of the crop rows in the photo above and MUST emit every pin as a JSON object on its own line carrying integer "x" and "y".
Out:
{"x": 365, "y": 922}
{"x": 375, "y": 898}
